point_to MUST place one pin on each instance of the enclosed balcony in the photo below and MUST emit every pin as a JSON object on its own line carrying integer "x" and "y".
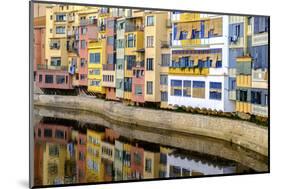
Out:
{"x": 108, "y": 67}
{"x": 85, "y": 22}
{"x": 130, "y": 27}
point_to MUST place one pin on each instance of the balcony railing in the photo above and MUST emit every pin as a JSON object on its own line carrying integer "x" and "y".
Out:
{"x": 88, "y": 22}
{"x": 108, "y": 67}
{"x": 188, "y": 71}
{"x": 165, "y": 44}
{"x": 138, "y": 64}
{"x": 49, "y": 67}
{"x": 133, "y": 28}
{"x": 102, "y": 28}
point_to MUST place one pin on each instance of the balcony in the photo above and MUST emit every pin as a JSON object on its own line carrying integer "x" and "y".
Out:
{"x": 72, "y": 48}
{"x": 138, "y": 64}
{"x": 133, "y": 28}
{"x": 260, "y": 110}
{"x": 71, "y": 18}
{"x": 108, "y": 67}
{"x": 85, "y": 22}
{"x": 49, "y": 67}
{"x": 70, "y": 33}
{"x": 188, "y": 71}
{"x": 165, "y": 44}
{"x": 102, "y": 28}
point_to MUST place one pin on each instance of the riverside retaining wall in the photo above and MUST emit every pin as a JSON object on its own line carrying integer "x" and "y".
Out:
{"x": 243, "y": 133}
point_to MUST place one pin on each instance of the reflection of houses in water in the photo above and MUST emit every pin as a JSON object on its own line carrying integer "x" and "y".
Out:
{"x": 54, "y": 138}
{"x": 81, "y": 157}
{"x": 151, "y": 161}
{"x": 164, "y": 152}
{"x": 137, "y": 154}
{"x": 179, "y": 165}
{"x": 107, "y": 154}
{"x": 94, "y": 171}
{"x": 118, "y": 161}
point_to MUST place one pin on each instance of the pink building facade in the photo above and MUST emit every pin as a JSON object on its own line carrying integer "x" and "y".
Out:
{"x": 138, "y": 82}
{"x": 87, "y": 31}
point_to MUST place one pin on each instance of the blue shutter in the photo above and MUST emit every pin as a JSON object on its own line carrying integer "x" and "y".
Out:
{"x": 175, "y": 32}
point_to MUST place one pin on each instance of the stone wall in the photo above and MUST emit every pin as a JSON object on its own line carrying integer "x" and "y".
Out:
{"x": 246, "y": 134}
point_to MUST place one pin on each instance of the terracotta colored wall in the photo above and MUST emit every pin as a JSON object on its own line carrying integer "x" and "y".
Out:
{"x": 53, "y": 85}
{"x": 138, "y": 81}
{"x": 110, "y": 93}
{"x": 39, "y": 47}
{"x": 135, "y": 167}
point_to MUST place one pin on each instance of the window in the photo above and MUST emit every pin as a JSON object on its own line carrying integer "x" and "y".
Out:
{"x": 130, "y": 62}
{"x": 49, "y": 79}
{"x": 95, "y": 83}
{"x": 48, "y": 133}
{"x": 82, "y": 62}
{"x": 52, "y": 169}
{"x": 60, "y": 30}
{"x": 232, "y": 83}
{"x": 165, "y": 60}
{"x": 95, "y": 58}
{"x": 266, "y": 99}
{"x": 164, "y": 96}
{"x": 215, "y": 90}
{"x": 120, "y": 43}
{"x": 149, "y": 41}
{"x": 185, "y": 172}
{"x": 137, "y": 158}
{"x": 183, "y": 35}
{"x": 149, "y": 89}
{"x": 59, "y": 134}
{"x": 127, "y": 84}
{"x": 150, "y": 20}
{"x": 242, "y": 95}
{"x": 131, "y": 41}
{"x": 81, "y": 156}
{"x": 187, "y": 88}
{"x": 163, "y": 79}
{"x": 176, "y": 87}
{"x": 60, "y": 79}
{"x": 40, "y": 78}
{"x": 83, "y": 30}
{"x": 60, "y": 17}
{"x": 260, "y": 24}
{"x": 38, "y": 133}
{"x": 256, "y": 97}
{"x": 94, "y": 71}
{"x": 148, "y": 165}
{"x": 198, "y": 89}
{"x": 83, "y": 44}
{"x": 55, "y": 61}
{"x": 55, "y": 44}
{"x": 110, "y": 40}
{"x": 138, "y": 90}
{"x": 163, "y": 159}
{"x": 149, "y": 64}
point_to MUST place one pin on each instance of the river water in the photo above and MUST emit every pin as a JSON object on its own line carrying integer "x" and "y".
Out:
{"x": 72, "y": 147}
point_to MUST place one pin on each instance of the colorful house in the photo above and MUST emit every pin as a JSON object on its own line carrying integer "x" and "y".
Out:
{"x": 199, "y": 66}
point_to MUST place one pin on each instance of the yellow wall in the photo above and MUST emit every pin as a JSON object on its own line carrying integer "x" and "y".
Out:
{"x": 58, "y": 160}
{"x": 243, "y": 107}
{"x": 96, "y": 47}
{"x": 93, "y": 175}
{"x": 244, "y": 80}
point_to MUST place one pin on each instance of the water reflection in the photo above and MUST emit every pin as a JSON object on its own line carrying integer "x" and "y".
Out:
{"x": 69, "y": 151}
